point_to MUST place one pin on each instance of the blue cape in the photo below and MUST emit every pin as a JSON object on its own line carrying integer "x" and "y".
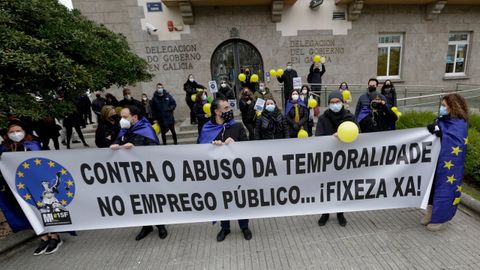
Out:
{"x": 364, "y": 112}
{"x": 211, "y": 130}
{"x": 142, "y": 128}
{"x": 450, "y": 166}
{"x": 290, "y": 105}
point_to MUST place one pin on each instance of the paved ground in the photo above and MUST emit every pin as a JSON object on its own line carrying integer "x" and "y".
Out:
{"x": 391, "y": 239}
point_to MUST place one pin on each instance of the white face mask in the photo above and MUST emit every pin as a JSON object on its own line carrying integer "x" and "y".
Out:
{"x": 128, "y": 97}
{"x": 262, "y": 88}
{"x": 335, "y": 107}
{"x": 16, "y": 136}
{"x": 289, "y": 67}
{"x": 124, "y": 123}
{"x": 191, "y": 79}
{"x": 223, "y": 85}
{"x": 304, "y": 91}
{"x": 294, "y": 97}
{"x": 204, "y": 97}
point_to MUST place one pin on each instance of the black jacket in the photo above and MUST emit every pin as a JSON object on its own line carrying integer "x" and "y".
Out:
{"x": 381, "y": 120}
{"x": 271, "y": 125}
{"x": 106, "y": 133}
{"x": 235, "y": 131}
{"x": 391, "y": 97}
{"x": 226, "y": 92}
{"x": 315, "y": 76}
{"x": 190, "y": 88}
{"x": 294, "y": 127}
{"x": 287, "y": 80}
{"x": 135, "y": 139}
{"x": 162, "y": 108}
{"x": 248, "y": 112}
{"x": 329, "y": 121}
{"x": 98, "y": 104}
{"x": 198, "y": 109}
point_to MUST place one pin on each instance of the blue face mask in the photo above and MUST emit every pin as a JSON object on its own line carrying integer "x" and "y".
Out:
{"x": 335, "y": 107}
{"x": 443, "y": 111}
{"x": 270, "y": 108}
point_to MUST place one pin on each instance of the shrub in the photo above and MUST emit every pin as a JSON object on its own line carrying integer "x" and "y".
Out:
{"x": 472, "y": 162}
{"x": 415, "y": 119}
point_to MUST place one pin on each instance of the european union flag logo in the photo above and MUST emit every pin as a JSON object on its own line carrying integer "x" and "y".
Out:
{"x": 48, "y": 186}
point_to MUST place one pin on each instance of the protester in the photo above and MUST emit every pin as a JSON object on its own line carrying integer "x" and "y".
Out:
{"x": 305, "y": 96}
{"x": 47, "y": 129}
{"x": 247, "y": 83}
{"x": 137, "y": 131}
{"x": 452, "y": 127}
{"x": 287, "y": 80}
{"x": 98, "y": 104}
{"x": 225, "y": 91}
{"x": 388, "y": 90}
{"x": 74, "y": 121}
{"x": 263, "y": 92}
{"x": 364, "y": 99}
{"x": 111, "y": 100}
{"x": 327, "y": 124}
{"x": 163, "y": 105}
{"x": 85, "y": 109}
{"x": 247, "y": 105}
{"x": 108, "y": 127}
{"x": 223, "y": 130}
{"x": 314, "y": 77}
{"x": 271, "y": 124}
{"x": 202, "y": 117}
{"x": 190, "y": 87}
{"x": 297, "y": 114}
{"x": 147, "y": 108}
{"x": 379, "y": 117}
{"x": 129, "y": 100}
{"x": 344, "y": 87}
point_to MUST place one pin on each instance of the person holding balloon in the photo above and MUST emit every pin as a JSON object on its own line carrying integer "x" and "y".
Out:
{"x": 305, "y": 96}
{"x": 190, "y": 87}
{"x": 347, "y": 96}
{"x": 297, "y": 114}
{"x": 199, "y": 108}
{"x": 247, "y": 104}
{"x": 314, "y": 77}
{"x": 328, "y": 124}
{"x": 271, "y": 124}
{"x": 379, "y": 118}
{"x": 250, "y": 80}
{"x": 286, "y": 77}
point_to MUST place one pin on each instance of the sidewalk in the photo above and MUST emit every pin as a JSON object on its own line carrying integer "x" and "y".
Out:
{"x": 387, "y": 239}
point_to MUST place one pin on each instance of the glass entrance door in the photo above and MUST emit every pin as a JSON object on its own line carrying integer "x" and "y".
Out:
{"x": 231, "y": 57}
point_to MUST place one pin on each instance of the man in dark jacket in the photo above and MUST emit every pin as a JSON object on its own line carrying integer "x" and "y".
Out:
{"x": 222, "y": 129}
{"x": 98, "y": 104}
{"x": 137, "y": 131}
{"x": 129, "y": 100}
{"x": 287, "y": 80}
{"x": 315, "y": 76}
{"x": 328, "y": 124}
{"x": 364, "y": 100}
{"x": 163, "y": 105}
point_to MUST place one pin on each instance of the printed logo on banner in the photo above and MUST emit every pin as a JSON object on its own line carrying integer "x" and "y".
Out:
{"x": 48, "y": 186}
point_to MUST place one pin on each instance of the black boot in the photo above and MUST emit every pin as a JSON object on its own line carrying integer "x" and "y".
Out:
{"x": 341, "y": 219}
{"x": 247, "y": 234}
{"x": 323, "y": 219}
{"x": 144, "y": 232}
{"x": 162, "y": 231}
{"x": 222, "y": 234}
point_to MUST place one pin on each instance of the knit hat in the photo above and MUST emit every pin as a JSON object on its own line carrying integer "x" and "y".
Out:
{"x": 335, "y": 94}
{"x": 374, "y": 94}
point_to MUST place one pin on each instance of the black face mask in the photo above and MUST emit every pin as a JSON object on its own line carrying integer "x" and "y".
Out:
{"x": 227, "y": 116}
{"x": 372, "y": 88}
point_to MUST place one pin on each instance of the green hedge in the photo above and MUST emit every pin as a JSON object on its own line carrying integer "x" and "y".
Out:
{"x": 472, "y": 164}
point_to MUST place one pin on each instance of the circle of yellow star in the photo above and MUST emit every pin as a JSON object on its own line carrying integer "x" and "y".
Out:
{"x": 20, "y": 174}
{"x": 456, "y": 150}
{"x": 63, "y": 171}
{"x": 448, "y": 164}
{"x": 27, "y": 197}
{"x": 451, "y": 179}
{"x": 459, "y": 188}
{"x": 69, "y": 194}
{"x": 37, "y": 162}
{"x": 51, "y": 164}
{"x": 63, "y": 202}
{"x": 26, "y": 165}
{"x": 465, "y": 140}
{"x": 456, "y": 201}
{"x": 39, "y": 204}
{"x": 21, "y": 185}
{"x": 69, "y": 183}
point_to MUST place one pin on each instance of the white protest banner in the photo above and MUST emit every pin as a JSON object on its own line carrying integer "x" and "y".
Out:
{"x": 297, "y": 83}
{"x": 86, "y": 189}
{"x": 212, "y": 85}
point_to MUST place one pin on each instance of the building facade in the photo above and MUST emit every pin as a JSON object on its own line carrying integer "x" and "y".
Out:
{"x": 423, "y": 42}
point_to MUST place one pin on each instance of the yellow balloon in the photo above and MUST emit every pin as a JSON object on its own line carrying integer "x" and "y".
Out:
{"x": 302, "y": 134}
{"x": 317, "y": 58}
{"x": 156, "y": 127}
{"x": 206, "y": 108}
{"x": 279, "y": 72}
{"x": 273, "y": 73}
{"x": 348, "y": 132}
{"x": 312, "y": 103}
{"x": 242, "y": 77}
{"x": 259, "y": 113}
{"x": 194, "y": 97}
{"x": 394, "y": 109}
{"x": 346, "y": 95}
{"x": 254, "y": 78}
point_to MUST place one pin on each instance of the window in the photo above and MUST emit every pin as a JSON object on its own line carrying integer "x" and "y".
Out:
{"x": 389, "y": 56}
{"x": 456, "y": 60}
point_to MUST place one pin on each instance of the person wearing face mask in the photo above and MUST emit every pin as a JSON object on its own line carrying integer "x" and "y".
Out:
{"x": 129, "y": 100}
{"x": 16, "y": 139}
{"x": 247, "y": 83}
{"x": 451, "y": 127}
{"x": 287, "y": 80}
{"x": 315, "y": 76}
{"x": 297, "y": 114}
{"x": 146, "y": 107}
{"x": 344, "y": 87}
{"x": 163, "y": 105}
{"x": 272, "y": 123}
{"x": 388, "y": 90}
{"x": 327, "y": 125}
{"x": 222, "y": 130}
{"x": 108, "y": 127}
{"x": 190, "y": 87}
{"x": 137, "y": 131}
{"x": 364, "y": 100}
{"x": 263, "y": 92}
{"x": 379, "y": 118}
{"x": 225, "y": 91}
{"x": 304, "y": 96}
{"x": 202, "y": 117}
{"x": 247, "y": 105}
